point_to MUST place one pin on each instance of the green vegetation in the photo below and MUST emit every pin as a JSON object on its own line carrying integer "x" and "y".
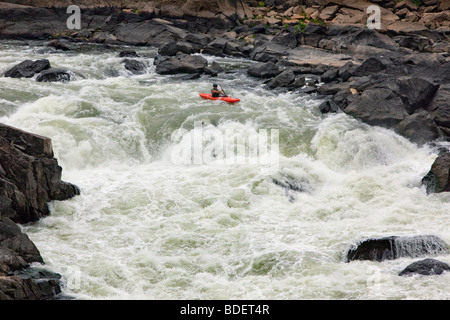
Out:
{"x": 261, "y": 4}
{"x": 417, "y": 2}
{"x": 299, "y": 27}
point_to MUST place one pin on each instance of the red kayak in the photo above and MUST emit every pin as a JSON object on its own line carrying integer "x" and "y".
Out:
{"x": 210, "y": 97}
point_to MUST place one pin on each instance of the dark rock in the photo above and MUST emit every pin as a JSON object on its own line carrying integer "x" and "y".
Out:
{"x": 200, "y": 39}
{"x": 28, "y": 68}
{"x": 438, "y": 178}
{"x": 419, "y": 127}
{"x": 53, "y": 75}
{"x": 440, "y": 106}
{"x": 134, "y": 66}
{"x": 171, "y": 49}
{"x": 268, "y": 51}
{"x": 372, "y": 65}
{"x": 264, "y": 70}
{"x": 414, "y": 42}
{"x": 29, "y": 181}
{"x": 58, "y": 45}
{"x": 17, "y": 287}
{"x": 426, "y": 267}
{"x": 181, "y": 63}
{"x": 128, "y": 54}
{"x": 347, "y": 70}
{"x": 417, "y": 93}
{"x": 284, "y": 79}
{"x": 329, "y": 75}
{"x": 394, "y": 247}
{"x": 214, "y": 69}
{"x": 378, "y": 106}
{"x": 14, "y": 243}
{"x": 328, "y": 106}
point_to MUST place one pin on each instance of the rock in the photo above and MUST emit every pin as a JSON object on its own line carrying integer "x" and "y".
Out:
{"x": 200, "y": 39}
{"x": 58, "y": 45}
{"x": 419, "y": 127}
{"x": 438, "y": 178}
{"x": 394, "y": 247}
{"x": 171, "y": 49}
{"x": 416, "y": 92}
{"x": 328, "y": 13}
{"x": 328, "y": 106}
{"x": 426, "y": 267}
{"x": 181, "y": 63}
{"x": 214, "y": 69}
{"x": 128, "y": 54}
{"x": 440, "y": 107}
{"x": 284, "y": 79}
{"x": 268, "y": 51}
{"x": 378, "y": 106}
{"x": 372, "y": 65}
{"x": 29, "y": 177}
{"x": 53, "y": 75}
{"x": 264, "y": 70}
{"x": 28, "y": 68}
{"x": 38, "y": 287}
{"x": 415, "y": 42}
{"x": 12, "y": 240}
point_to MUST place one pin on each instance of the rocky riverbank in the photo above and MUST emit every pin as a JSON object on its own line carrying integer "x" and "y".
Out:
{"x": 30, "y": 178}
{"x": 396, "y": 77}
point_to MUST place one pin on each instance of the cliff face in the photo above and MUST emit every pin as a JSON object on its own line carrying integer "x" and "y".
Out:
{"x": 29, "y": 178}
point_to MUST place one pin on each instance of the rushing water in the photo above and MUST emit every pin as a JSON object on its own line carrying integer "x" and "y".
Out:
{"x": 146, "y": 227}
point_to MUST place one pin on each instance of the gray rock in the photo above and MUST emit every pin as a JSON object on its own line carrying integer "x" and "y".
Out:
{"x": 394, "y": 247}
{"x": 426, "y": 267}
{"x": 28, "y": 68}
{"x": 53, "y": 75}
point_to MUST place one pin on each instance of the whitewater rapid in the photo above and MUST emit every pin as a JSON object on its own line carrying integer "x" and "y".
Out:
{"x": 145, "y": 227}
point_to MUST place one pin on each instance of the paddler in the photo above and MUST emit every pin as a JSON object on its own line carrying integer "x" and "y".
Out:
{"x": 217, "y": 93}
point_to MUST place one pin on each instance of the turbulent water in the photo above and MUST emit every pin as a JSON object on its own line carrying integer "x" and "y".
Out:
{"x": 148, "y": 227}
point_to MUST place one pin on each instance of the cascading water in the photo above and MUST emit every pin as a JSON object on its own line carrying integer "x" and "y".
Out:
{"x": 147, "y": 227}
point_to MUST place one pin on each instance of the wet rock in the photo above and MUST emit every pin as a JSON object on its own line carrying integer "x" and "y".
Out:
{"x": 440, "y": 108}
{"x": 16, "y": 249}
{"x": 393, "y": 247}
{"x": 419, "y": 127}
{"x": 134, "y": 66}
{"x": 58, "y": 45}
{"x": 214, "y": 69}
{"x": 328, "y": 106}
{"x": 181, "y": 63}
{"x": 35, "y": 287}
{"x": 426, "y": 267}
{"x": 29, "y": 176}
{"x": 264, "y": 70}
{"x": 284, "y": 79}
{"x": 438, "y": 178}
{"x": 378, "y": 106}
{"x": 28, "y": 68}
{"x": 53, "y": 75}
{"x": 171, "y": 49}
{"x": 128, "y": 54}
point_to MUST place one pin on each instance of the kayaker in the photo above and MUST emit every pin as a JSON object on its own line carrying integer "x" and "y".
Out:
{"x": 217, "y": 93}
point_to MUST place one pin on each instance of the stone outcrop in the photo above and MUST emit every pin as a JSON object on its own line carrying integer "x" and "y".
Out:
{"x": 394, "y": 247}
{"x": 438, "y": 178}
{"x": 425, "y": 267}
{"x": 30, "y": 178}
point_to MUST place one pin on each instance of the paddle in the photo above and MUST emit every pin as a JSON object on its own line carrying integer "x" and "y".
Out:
{"x": 223, "y": 90}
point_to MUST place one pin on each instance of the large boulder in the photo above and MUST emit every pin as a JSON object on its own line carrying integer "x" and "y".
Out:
{"x": 264, "y": 70}
{"x": 419, "y": 127}
{"x": 134, "y": 66}
{"x": 181, "y": 63}
{"x": 27, "y": 68}
{"x": 378, "y": 106}
{"x": 426, "y": 267}
{"x": 54, "y": 75}
{"x": 394, "y": 247}
{"x": 29, "y": 176}
{"x": 438, "y": 178}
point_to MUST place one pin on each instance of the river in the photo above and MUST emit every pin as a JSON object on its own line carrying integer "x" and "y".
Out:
{"x": 151, "y": 224}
